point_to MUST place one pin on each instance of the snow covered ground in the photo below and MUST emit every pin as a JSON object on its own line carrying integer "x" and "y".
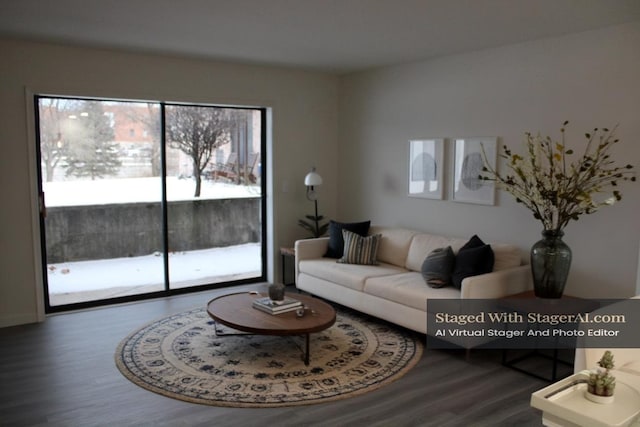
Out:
{"x": 90, "y": 280}
{"x": 184, "y": 268}
{"x": 129, "y": 190}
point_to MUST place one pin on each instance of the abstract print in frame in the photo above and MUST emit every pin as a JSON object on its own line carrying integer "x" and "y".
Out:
{"x": 468, "y": 162}
{"x": 426, "y": 161}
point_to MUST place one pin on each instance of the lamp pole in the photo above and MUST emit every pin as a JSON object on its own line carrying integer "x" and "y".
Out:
{"x": 315, "y": 202}
{"x": 312, "y": 180}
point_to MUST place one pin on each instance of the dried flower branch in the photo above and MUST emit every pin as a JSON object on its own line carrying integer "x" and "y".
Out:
{"x": 555, "y": 189}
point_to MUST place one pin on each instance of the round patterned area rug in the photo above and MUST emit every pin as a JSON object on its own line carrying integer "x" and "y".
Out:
{"x": 182, "y": 357}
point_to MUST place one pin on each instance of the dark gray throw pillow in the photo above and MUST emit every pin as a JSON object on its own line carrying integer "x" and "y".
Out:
{"x": 474, "y": 258}
{"x": 336, "y": 242}
{"x": 438, "y": 267}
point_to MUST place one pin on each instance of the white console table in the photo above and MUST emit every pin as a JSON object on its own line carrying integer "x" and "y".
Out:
{"x": 563, "y": 403}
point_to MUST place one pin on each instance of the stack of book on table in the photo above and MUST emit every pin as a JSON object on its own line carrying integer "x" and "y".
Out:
{"x": 276, "y": 307}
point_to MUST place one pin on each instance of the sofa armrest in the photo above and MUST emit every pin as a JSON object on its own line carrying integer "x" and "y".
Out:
{"x": 310, "y": 249}
{"x": 498, "y": 284}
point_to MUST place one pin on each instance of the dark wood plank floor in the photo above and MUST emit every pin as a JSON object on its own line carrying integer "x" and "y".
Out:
{"x": 62, "y": 373}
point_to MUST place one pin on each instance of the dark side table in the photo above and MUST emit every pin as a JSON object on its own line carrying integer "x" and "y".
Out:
{"x": 288, "y": 257}
{"x": 525, "y": 303}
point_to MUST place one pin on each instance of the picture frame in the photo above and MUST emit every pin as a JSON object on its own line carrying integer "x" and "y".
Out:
{"x": 426, "y": 165}
{"x": 468, "y": 161}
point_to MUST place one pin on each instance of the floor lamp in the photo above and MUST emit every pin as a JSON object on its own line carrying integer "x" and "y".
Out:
{"x": 311, "y": 181}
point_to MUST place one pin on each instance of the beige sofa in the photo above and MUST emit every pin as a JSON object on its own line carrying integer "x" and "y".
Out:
{"x": 395, "y": 290}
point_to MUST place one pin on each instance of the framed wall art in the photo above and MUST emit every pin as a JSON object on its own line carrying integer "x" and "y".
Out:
{"x": 426, "y": 164}
{"x": 468, "y": 160}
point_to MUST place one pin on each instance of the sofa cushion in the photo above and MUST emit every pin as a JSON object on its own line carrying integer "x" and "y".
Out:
{"x": 408, "y": 289}
{"x": 336, "y": 241}
{"x": 349, "y": 275}
{"x": 423, "y": 244}
{"x": 505, "y": 256}
{"x": 474, "y": 258}
{"x": 394, "y": 245}
{"x": 438, "y": 267}
{"x": 360, "y": 250}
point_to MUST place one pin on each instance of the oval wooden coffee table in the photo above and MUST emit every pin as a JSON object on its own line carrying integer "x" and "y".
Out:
{"x": 236, "y": 311}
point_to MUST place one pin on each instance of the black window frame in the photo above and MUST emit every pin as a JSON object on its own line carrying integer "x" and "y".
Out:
{"x": 167, "y": 292}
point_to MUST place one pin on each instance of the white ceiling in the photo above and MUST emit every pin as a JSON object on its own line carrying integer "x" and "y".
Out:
{"x": 328, "y": 35}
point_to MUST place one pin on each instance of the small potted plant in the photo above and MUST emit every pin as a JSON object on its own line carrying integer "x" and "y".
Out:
{"x": 601, "y": 383}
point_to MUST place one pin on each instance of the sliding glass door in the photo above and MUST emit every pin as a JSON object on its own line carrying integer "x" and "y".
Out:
{"x": 142, "y": 199}
{"x": 214, "y": 194}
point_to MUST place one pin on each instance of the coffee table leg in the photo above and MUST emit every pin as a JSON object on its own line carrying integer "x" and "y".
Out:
{"x": 228, "y": 334}
{"x": 306, "y": 352}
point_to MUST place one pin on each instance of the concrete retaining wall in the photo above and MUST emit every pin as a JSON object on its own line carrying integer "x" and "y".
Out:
{"x": 76, "y": 233}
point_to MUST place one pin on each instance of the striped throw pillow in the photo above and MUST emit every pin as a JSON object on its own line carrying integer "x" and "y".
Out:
{"x": 359, "y": 249}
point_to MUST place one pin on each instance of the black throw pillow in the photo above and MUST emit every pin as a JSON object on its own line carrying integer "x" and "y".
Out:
{"x": 336, "y": 242}
{"x": 438, "y": 267}
{"x": 474, "y": 258}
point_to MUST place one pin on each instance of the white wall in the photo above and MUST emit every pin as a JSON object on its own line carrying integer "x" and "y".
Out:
{"x": 304, "y": 106}
{"x": 590, "y": 79}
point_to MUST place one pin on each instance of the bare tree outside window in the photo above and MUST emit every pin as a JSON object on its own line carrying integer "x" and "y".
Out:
{"x": 198, "y": 132}
{"x": 51, "y": 144}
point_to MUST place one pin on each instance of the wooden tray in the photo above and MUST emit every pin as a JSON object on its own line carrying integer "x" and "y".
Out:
{"x": 565, "y": 401}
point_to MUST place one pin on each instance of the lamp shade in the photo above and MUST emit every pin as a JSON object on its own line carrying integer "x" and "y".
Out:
{"x": 312, "y": 179}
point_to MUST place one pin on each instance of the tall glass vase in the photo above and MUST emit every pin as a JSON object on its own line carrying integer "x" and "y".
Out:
{"x": 550, "y": 264}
